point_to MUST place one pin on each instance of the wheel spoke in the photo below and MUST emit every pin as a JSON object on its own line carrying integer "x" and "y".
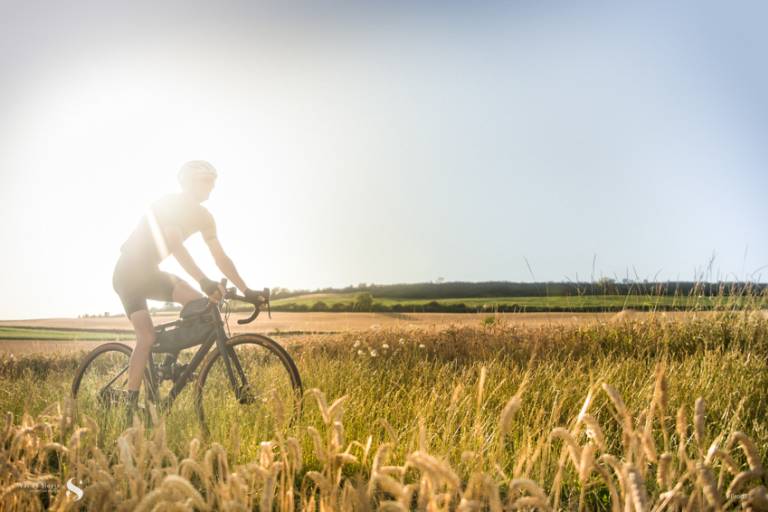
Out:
{"x": 108, "y": 384}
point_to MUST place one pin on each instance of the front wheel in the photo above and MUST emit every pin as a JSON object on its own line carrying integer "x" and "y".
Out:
{"x": 99, "y": 387}
{"x": 267, "y": 394}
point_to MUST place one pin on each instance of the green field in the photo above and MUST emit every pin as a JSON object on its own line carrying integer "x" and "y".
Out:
{"x": 15, "y": 333}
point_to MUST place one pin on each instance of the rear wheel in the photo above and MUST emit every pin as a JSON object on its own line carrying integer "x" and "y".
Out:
{"x": 269, "y": 399}
{"x": 99, "y": 388}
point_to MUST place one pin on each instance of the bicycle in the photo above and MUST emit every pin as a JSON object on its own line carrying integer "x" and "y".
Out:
{"x": 248, "y": 375}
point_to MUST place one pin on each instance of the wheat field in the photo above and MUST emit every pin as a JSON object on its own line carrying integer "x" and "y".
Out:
{"x": 621, "y": 416}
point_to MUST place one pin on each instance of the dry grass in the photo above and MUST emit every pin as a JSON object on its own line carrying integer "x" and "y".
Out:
{"x": 636, "y": 415}
{"x": 655, "y": 468}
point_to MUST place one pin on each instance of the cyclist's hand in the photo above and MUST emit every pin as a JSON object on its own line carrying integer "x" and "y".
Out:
{"x": 254, "y": 297}
{"x": 211, "y": 288}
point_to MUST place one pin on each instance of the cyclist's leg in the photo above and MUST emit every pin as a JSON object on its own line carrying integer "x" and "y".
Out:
{"x": 171, "y": 288}
{"x": 183, "y": 292}
{"x": 155, "y": 285}
{"x": 130, "y": 281}
{"x": 145, "y": 338}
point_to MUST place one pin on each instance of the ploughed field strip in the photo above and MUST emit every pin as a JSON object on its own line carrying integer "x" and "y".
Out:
{"x": 309, "y": 322}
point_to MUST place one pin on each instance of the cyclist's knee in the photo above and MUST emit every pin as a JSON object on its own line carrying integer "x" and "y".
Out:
{"x": 145, "y": 338}
{"x": 142, "y": 325}
{"x": 183, "y": 293}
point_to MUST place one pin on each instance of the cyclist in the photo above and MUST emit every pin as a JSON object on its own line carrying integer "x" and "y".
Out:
{"x": 161, "y": 231}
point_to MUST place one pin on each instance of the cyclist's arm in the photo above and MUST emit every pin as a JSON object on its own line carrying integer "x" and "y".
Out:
{"x": 224, "y": 262}
{"x": 187, "y": 263}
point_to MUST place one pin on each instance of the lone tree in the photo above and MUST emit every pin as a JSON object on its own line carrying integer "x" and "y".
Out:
{"x": 363, "y": 301}
{"x": 319, "y": 306}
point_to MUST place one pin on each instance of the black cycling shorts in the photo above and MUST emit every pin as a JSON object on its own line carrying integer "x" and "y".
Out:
{"x": 136, "y": 281}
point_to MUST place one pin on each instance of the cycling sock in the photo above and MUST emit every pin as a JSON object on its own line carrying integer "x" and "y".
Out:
{"x": 131, "y": 405}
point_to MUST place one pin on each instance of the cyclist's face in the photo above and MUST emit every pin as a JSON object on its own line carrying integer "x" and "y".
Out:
{"x": 202, "y": 186}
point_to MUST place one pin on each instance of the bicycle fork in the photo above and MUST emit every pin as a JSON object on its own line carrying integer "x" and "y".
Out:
{"x": 238, "y": 381}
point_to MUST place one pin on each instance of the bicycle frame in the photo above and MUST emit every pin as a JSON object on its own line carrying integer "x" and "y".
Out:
{"x": 228, "y": 356}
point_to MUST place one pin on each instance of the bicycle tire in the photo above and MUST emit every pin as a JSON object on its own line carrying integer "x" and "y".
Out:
{"x": 278, "y": 376}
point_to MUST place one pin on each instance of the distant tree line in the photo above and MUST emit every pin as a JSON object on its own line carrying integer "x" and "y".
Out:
{"x": 437, "y": 307}
{"x": 460, "y": 289}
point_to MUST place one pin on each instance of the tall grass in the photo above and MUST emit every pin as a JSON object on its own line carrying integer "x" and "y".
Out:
{"x": 625, "y": 415}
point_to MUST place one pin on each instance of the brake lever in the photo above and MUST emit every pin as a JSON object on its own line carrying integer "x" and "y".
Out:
{"x": 222, "y": 296}
{"x": 232, "y": 293}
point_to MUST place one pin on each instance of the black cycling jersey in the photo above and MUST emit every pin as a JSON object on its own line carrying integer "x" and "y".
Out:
{"x": 149, "y": 242}
{"x": 137, "y": 277}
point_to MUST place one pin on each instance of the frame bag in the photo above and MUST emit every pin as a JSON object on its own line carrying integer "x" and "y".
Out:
{"x": 194, "y": 328}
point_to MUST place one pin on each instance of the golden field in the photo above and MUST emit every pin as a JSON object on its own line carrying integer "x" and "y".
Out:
{"x": 622, "y": 414}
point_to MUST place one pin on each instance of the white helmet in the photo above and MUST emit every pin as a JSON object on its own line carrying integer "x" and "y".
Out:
{"x": 196, "y": 169}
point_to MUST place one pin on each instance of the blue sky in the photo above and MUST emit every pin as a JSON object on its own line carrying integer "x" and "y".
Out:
{"x": 359, "y": 143}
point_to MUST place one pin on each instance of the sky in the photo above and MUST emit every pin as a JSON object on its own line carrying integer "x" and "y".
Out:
{"x": 384, "y": 142}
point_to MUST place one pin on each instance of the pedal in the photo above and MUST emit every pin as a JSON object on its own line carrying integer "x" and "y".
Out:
{"x": 177, "y": 370}
{"x": 244, "y": 396}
